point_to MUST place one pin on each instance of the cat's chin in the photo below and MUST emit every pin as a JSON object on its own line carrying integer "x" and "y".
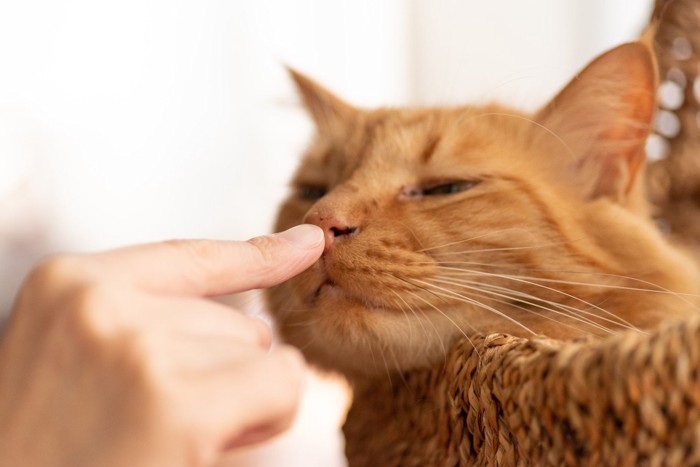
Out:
{"x": 359, "y": 336}
{"x": 330, "y": 291}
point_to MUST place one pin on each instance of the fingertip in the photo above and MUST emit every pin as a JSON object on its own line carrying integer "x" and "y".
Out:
{"x": 304, "y": 236}
{"x": 285, "y": 254}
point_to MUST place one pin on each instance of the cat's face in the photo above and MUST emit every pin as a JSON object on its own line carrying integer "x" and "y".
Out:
{"x": 445, "y": 222}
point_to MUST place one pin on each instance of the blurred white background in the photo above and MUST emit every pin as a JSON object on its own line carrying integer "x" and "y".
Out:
{"x": 145, "y": 120}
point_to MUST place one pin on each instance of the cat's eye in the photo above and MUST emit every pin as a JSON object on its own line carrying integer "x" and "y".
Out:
{"x": 448, "y": 188}
{"x": 311, "y": 192}
{"x": 438, "y": 189}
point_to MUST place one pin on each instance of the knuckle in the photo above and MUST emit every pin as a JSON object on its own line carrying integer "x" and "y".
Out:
{"x": 139, "y": 352}
{"x": 55, "y": 271}
{"x": 89, "y": 310}
{"x": 50, "y": 286}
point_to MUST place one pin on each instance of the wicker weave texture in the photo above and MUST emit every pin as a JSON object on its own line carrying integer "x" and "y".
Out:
{"x": 630, "y": 400}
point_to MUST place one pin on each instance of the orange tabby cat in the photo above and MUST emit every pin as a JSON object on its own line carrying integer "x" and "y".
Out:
{"x": 443, "y": 222}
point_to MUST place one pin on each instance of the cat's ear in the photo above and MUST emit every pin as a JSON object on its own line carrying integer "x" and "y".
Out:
{"x": 329, "y": 112}
{"x": 603, "y": 117}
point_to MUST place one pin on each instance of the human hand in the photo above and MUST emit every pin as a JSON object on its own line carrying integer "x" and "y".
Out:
{"x": 117, "y": 358}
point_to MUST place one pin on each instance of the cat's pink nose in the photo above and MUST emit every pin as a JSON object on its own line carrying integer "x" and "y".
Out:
{"x": 334, "y": 228}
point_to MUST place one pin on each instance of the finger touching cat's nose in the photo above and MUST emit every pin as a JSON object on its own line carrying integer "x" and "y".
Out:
{"x": 335, "y": 228}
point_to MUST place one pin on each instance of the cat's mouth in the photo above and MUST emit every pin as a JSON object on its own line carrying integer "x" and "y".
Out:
{"x": 330, "y": 290}
{"x": 325, "y": 286}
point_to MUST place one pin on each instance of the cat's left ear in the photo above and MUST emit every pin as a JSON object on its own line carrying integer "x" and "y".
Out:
{"x": 330, "y": 113}
{"x": 603, "y": 117}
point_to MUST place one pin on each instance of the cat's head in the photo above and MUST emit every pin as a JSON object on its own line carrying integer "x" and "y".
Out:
{"x": 442, "y": 222}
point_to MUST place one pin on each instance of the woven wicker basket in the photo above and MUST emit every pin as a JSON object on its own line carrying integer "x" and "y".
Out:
{"x": 630, "y": 400}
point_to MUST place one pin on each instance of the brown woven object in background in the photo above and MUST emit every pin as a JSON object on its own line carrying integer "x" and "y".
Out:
{"x": 674, "y": 182}
{"x": 629, "y": 400}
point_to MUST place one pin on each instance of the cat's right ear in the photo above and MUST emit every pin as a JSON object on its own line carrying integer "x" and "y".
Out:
{"x": 329, "y": 112}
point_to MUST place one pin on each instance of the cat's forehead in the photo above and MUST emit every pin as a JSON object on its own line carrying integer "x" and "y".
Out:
{"x": 423, "y": 136}
{"x": 415, "y": 125}
{"x": 409, "y": 145}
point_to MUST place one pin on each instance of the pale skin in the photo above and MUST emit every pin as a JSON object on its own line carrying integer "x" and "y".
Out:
{"x": 120, "y": 359}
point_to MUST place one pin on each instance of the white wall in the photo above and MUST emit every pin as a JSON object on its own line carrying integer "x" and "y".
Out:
{"x": 517, "y": 52}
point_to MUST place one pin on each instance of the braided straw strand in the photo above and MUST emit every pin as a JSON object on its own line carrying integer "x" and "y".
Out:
{"x": 629, "y": 400}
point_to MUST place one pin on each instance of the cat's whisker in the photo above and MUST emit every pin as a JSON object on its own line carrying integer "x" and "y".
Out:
{"x": 550, "y": 289}
{"x": 433, "y": 306}
{"x": 453, "y": 294}
{"x": 571, "y": 310}
{"x": 530, "y": 300}
{"x": 499, "y": 249}
{"x": 685, "y": 297}
{"x": 301, "y": 322}
{"x": 655, "y": 288}
{"x": 658, "y": 288}
{"x": 569, "y": 150}
{"x": 397, "y": 367}
{"x": 298, "y": 309}
{"x": 413, "y": 234}
{"x": 437, "y": 332}
{"x": 408, "y": 320}
{"x": 442, "y": 343}
{"x": 528, "y": 310}
{"x": 386, "y": 367}
{"x": 445, "y": 245}
{"x": 372, "y": 354}
{"x": 415, "y": 314}
{"x": 308, "y": 343}
{"x": 304, "y": 323}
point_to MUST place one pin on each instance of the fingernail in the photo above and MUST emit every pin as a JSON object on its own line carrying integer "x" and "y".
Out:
{"x": 305, "y": 236}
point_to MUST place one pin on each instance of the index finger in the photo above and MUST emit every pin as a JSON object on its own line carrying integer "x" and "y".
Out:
{"x": 214, "y": 267}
